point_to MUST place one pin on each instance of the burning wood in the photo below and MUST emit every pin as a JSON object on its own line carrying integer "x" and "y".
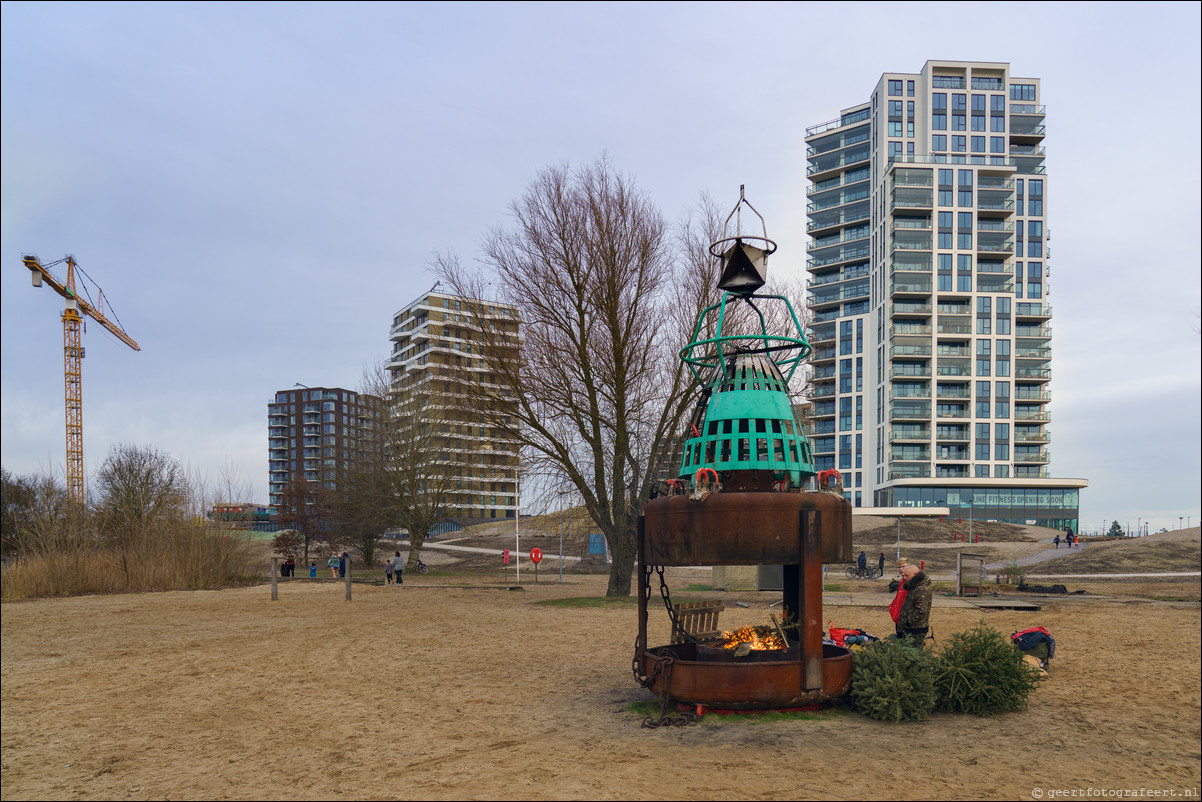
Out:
{"x": 754, "y": 638}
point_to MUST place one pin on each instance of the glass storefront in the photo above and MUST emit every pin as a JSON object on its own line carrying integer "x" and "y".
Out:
{"x": 1053, "y": 507}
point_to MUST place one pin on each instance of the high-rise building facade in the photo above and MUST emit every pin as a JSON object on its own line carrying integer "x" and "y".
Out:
{"x": 318, "y": 434}
{"x": 437, "y": 369}
{"x": 928, "y": 292}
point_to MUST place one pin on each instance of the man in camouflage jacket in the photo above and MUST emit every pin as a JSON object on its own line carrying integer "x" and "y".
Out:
{"x": 914, "y": 619}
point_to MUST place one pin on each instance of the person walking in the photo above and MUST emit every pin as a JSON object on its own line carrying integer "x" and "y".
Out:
{"x": 344, "y": 562}
{"x": 388, "y": 571}
{"x": 399, "y": 568}
{"x": 332, "y": 564}
{"x": 1056, "y": 540}
{"x": 862, "y": 563}
{"x": 881, "y": 564}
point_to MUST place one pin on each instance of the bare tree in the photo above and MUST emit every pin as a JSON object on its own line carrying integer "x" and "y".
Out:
{"x": 308, "y": 508}
{"x": 408, "y": 487}
{"x": 597, "y": 395}
{"x": 143, "y": 492}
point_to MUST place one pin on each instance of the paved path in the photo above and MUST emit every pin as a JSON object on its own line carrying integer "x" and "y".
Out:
{"x": 1039, "y": 556}
{"x": 447, "y": 545}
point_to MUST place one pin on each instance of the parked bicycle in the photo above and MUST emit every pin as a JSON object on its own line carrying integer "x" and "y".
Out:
{"x": 868, "y": 572}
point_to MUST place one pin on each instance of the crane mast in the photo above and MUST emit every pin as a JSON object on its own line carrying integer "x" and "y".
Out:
{"x": 73, "y": 354}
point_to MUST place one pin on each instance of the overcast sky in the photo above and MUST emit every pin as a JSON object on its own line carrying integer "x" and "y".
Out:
{"x": 259, "y": 187}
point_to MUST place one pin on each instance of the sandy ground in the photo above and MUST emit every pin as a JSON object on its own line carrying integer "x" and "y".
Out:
{"x": 438, "y": 693}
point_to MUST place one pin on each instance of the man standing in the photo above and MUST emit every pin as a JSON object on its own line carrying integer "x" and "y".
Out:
{"x": 915, "y": 615}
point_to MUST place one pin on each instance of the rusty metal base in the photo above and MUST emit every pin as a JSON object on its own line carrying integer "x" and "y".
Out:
{"x": 760, "y": 681}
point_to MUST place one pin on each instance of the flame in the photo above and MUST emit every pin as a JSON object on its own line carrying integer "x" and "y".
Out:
{"x": 759, "y": 638}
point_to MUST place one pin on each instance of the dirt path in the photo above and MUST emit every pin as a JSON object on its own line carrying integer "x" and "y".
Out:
{"x": 424, "y": 693}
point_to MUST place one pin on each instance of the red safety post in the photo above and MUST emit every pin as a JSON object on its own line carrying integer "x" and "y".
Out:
{"x": 922, "y": 565}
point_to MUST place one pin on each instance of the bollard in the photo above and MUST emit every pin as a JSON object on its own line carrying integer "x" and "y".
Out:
{"x": 348, "y": 578}
{"x": 275, "y": 569}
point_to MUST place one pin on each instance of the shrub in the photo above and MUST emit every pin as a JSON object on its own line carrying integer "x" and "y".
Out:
{"x": 892, "y": 681}
{"x": 980, "y": 672}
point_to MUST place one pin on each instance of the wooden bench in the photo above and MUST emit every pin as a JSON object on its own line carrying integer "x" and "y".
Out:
{"x": 699, "y": 619}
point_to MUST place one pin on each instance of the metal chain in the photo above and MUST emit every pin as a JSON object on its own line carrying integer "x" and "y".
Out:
{"x": 661, "y": 664}
{"x": 667, "y": 597}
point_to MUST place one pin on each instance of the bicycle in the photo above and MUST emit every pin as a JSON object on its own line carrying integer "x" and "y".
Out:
{"x": 867, "y": 572}
{"x": 421, "y": 567}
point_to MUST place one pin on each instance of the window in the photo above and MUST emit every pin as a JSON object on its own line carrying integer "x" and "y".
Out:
{"x": 997, "y": 144}
{"x": 939, "y": 142}
{"x": 997, "y": 124}
{"x": 895, "y": 150}
{"x": 959, "y": 144}
{"x": 997, "y": 103}
{"x": 938, "y": 122}
{"x": 978, "y": 144}
{"x": 1022, "y": 92}
{"x": 895, "y": 88}
{"x": 910, "y": 88}
{"x": 895, "y": 128}
{"x": 959, "y": 123}
{"x": 895, "y": 108}
{"x": 959, "y": 102}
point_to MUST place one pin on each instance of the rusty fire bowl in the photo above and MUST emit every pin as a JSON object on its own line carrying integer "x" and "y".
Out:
{"x": 764, "y": 680}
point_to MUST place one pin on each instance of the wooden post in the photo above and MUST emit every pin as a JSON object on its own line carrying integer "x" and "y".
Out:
{"x": 275, "y": 570}
{"x": 348, "y": 577}
{"x": 959, "y": 574}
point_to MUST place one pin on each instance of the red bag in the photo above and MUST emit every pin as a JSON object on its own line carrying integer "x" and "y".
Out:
{"x": 895, "y": 606}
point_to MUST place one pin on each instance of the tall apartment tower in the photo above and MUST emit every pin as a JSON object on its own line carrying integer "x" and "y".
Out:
{"x": 928, "y": 284}
{"x": 436, "y": 366}
{"x": 318, "y": 434}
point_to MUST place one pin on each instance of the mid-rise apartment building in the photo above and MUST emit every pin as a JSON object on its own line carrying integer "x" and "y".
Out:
{"x": 319, "y": 434}
{"x": 928, "y": 291}
{"x": 438, "y": 372}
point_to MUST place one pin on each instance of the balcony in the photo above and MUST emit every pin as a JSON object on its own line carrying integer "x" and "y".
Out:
{"x": 903, "y": 454}
{"x": 846, "y": 274}
{"x": 836, "y": 160}
{"x": 909, "y": 433}
{"x": 1034, "y": 456}
{"x": 911, "y": 198}
{"x": 913, "y": 286}
{"x": 1032, "y": 374}
{"x": 909, "y": 370}
{"x": 1027, "y": 110}
{"x": 951, "y": 434}
{"x": 1028, "y": 397}
{"x": 1034, "y": 332}
{"x": 831, "y": 219}
{"x": 1031, "y": 437}
{"x": 841, "y": 140}
{"x": 910, "y": 410}
{"x": 909, "y": 350}
{"x": 910, "y": 472}
{"x": 838, "y": 253}
{"x": 830, "y": 199}
{"x": 957, "y": 393}
{"x": 951, "y": 325}
{"x": 1024, "y": 414}
{"x": 952, "y": 411}
{"x": 1032, "y": 353}
{"x": 952, "y": 453}
{"x": 1038, "y": 310}
{"x": 908, "y": 328}
{"x": 991, "y": 182}
{"x": 847, "y": 119}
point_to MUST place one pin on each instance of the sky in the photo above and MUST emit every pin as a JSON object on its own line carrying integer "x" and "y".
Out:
{"x": 258, "y": 188}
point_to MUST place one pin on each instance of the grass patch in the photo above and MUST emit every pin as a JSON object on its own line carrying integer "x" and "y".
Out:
{"x": 592, "y": 601}
{"x": 835, "y": 588}
{"x": 698, "y": 588}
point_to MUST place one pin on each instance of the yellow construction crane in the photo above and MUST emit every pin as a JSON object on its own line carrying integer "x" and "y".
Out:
{"x": 72, "y": 357}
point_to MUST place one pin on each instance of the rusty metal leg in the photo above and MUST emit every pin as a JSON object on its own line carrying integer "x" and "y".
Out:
{"x": 810, "y": 583}
{"x": 641, "y": 551}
